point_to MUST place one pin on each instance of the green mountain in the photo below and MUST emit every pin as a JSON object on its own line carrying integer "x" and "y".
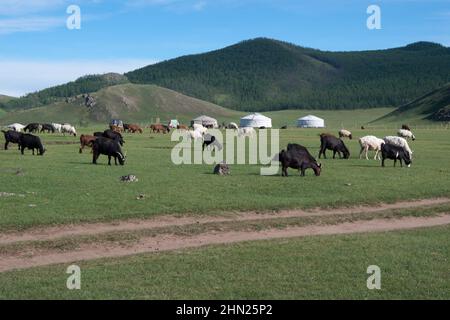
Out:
{"x": 434, "y": 106}
{"x": 83, "y": 85}
{"x": 129, "y": 102}
{"x": 264, "y": 74}
{"x": 4, "y": 98}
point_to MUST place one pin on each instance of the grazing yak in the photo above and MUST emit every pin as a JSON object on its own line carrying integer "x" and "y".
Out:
{"x": 32, "y": 128}
{"x": 298, "y": 157}
{"x": 345, "y": 134}
{"x": 30, "y": 142}
{"x": 49, "y": 128}
{"x": 371, "y": 143}
{"x": 110, "y": 134}
{"x": 86, "y": 141}
{"x": 12, "y": 137}
{"x": 110, "y": 148}
{"x": 393, "y": 152}
{"x": 330, "y": 142}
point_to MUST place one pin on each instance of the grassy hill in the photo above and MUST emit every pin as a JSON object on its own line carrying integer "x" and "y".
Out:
{"x": 129, "y": 102}
{"x": 83, "y": 85}
{"x": 4, "y": 98}
{"x": 264, "y": 74}
{"x": 434, "y": 106}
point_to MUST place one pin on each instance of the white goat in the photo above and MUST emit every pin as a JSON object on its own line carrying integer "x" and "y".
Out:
{"x": 69, "y": 129}
{"x": 16, "y": 127}
{"x": 406, "y": 134}
{"x": 371, "y": 143}
{"x": 399, "y": 142}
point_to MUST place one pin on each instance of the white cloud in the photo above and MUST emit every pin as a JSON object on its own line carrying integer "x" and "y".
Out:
{"x": 23, "y": 7}
{"x": 29, "y": 24}
{"x": 20, "y": 77}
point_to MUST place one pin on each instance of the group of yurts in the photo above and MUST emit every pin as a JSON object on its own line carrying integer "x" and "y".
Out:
{"x": 110, "y": 141}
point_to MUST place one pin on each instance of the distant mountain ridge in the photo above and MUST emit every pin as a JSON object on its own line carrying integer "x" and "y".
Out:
{"x": 268, "y": 75}
{"x": 265, "y": 74}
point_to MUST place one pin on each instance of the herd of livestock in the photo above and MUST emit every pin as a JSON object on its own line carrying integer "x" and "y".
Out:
{"x": 109, "y": 143}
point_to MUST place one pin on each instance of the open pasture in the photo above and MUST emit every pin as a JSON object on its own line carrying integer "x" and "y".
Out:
{"x": 64, "y": 187}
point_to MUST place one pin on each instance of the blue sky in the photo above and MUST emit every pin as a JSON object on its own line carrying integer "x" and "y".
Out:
{"x": 37, "y": 50}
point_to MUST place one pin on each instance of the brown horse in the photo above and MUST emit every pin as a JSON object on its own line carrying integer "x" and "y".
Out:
{"x": 159, "y": 128}
{"x": 182, "y": 127}
{"x": 134, "y": 128}
{"x": 86, "y": 141}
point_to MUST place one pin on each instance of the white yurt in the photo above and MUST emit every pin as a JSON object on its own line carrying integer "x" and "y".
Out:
{"x": 206, "y": 122}
{"x": 311, "y": 122}
{"x": 256, "y": 120}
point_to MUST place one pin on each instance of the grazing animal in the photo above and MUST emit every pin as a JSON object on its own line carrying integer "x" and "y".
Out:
{"x": 12, "y": 136}
{"x": 134, "y": 128}
{"x": 126, "y": 127}
{"x": 32, "y": 128}
{"x": 399, "y": 142}
{"x": 113, "y": 135}
{"x": 209, "y": 141}
{"x": 16, "y": 127}
{"x": 182, "y": 127}
{"x": 110, "y": 148}
{"x": 48, "y": 128}
{"x": 233, "y": 125}
{"x": 407, "y": 134}
{"x": 86, "y": 141}
{"x": 58, "y": 127}
{"x": 345, "y": 134}
{"x": 159, "y": 128}
{"x": 393, "y": 152}
{"x": 69, "y": 129}
{"x": 298, "y": 157}
{"x": 406, "y": 127}
{"x": 30, "y": 142}
{"x": 330, "y": 142}
{"x": 199, "y": 127}
{"x": 246, "y": 132}
{"x": 371, "y": 143}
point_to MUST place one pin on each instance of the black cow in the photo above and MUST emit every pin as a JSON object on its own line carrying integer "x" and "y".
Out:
{"x": 110, "y": 134}
{"x": 48, "y": 128}
{"x": 298, "y": 157}
{"x": 392, "y": 152}
{"x": 31, "y": 142}
{"x": 11, "y": 136}
{"x": 32, "y": 127}
{"x": 108, "y": 147}
{"x": 330, "y": 142}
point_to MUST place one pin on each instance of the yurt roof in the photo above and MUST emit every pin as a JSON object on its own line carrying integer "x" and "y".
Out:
{"x": 204, "y": 118}
{"x": 255, "y": 116}
{"x": 311, "y": 118}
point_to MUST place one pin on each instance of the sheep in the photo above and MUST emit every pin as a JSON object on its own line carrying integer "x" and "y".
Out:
{"x": 407, "y": 134}
{"x": 345, "y": 134}
{"x": 399, "y": 142}
{"x": 200, "y": 128}
{"x": 246, "y": 132}
{"x": 371, "y": 143}
{"x": 67, "y": 128}
{"x": 195, "y": 134}
{"x": 16, "y": 127}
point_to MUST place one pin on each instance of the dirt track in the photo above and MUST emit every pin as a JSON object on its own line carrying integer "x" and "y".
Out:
{"x": 165, "y": 242}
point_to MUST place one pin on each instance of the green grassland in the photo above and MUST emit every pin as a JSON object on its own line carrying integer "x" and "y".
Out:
{"x": 414, "y": 265}
{"x": 64, "y": 187}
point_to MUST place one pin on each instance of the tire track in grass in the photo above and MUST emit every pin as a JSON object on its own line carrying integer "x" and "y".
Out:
{"x": 52, "y": 233}
{"x": 166, "y": 242}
